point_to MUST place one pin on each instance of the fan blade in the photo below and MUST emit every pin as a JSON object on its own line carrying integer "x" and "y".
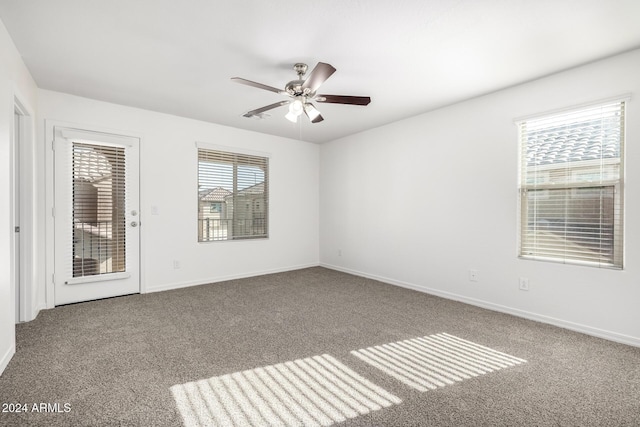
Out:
{"x": 343, "y": 99}
{"x": 258, "y": 85}
{"x": 318, "y": 76}
{"x": 312, "y": 113}
{"x": 267, "y": 108}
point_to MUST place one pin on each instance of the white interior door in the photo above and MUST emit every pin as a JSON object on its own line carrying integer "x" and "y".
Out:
{"x": 16, "y": 211}
{"x": 96, "y": 214}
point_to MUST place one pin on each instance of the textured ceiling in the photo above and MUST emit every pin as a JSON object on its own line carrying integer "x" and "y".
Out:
{"x": 410, "y": 56}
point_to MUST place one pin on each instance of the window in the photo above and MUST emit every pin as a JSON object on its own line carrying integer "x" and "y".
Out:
{"x": 571, "y": 186}
{"x": 229, "y": 186}
{"x": 216, "y": 207}
{"x": 98, "y": 214}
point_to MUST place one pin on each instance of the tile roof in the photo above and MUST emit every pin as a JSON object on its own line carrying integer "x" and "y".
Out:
{"x": 254, "y": 189}
{"x": 217, "y": 194}
{"x": 595, "y": 139}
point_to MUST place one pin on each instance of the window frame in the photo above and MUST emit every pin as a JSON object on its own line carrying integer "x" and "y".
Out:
{"x": 259, "y": 159}
{"x": 573, "y": 185}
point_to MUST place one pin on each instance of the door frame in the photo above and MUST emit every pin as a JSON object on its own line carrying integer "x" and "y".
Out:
{"x": 50, "y": 126}
{"x": 26, "y": 198}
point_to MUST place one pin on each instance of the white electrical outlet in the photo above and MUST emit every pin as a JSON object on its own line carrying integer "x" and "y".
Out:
{"x": 474, "y": 275}
{"x": 176, "y": 264}
{"x": 524, "y": 283}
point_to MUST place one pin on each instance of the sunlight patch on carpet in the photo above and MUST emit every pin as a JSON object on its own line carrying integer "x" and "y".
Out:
{"x": 435, "y": 361}
{"x": 316, "y": 391}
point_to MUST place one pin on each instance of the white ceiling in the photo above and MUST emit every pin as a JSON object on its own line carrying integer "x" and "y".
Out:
{"x": 410, "y": 56}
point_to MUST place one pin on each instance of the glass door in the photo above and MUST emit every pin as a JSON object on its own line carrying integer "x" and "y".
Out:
{"x": 96, "y": 215}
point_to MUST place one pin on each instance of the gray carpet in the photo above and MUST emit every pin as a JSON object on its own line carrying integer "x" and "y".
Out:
{"x": 133, "y": 360}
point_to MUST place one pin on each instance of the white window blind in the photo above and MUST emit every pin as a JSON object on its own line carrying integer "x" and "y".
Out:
{"x": 233, "y": 196}
{"x": 571, "y": 186}
{"x": 98, "y": 191}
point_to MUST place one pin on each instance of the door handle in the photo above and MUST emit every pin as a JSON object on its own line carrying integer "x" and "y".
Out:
{"x": 134, "y": 224}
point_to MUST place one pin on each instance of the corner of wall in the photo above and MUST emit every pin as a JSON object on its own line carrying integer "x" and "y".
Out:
{"x": 4, "y": 360}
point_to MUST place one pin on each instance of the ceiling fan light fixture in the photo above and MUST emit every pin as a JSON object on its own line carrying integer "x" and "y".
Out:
{"x": 312, "y": 113}
{"x": 292, "y": 117}
{"x": 295, "y": 110}
{"x": 296, "y": 107}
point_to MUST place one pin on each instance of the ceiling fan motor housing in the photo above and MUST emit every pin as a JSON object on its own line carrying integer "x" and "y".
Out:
{"x": 294, "y": 87}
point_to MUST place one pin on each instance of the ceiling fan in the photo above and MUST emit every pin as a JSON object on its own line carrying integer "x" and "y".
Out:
{"x": 302, "y": 92}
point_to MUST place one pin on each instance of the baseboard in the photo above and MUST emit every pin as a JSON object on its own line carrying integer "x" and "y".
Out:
{"x": 7, "y": 357}
{"x": 225, "y": 278}
{"x": 585, "y": 329}
{"x": 35, "y": 312}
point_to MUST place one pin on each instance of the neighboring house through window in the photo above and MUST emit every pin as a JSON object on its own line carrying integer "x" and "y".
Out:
{"x": 571, "y": 186}
{"x": 233, "y": 195}
{"x": 216, "y": 207}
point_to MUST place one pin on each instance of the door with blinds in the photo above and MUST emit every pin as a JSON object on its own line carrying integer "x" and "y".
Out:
{"x": 96, "y": 215}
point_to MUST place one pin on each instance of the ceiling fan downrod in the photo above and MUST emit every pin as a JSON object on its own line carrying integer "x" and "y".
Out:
{"x": 294, "y": 87}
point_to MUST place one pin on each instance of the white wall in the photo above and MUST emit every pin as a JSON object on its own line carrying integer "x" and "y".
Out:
{"x": 169, "y": 182}
{"x": 15, "y": 80}
{"x": 421, "y": 201}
